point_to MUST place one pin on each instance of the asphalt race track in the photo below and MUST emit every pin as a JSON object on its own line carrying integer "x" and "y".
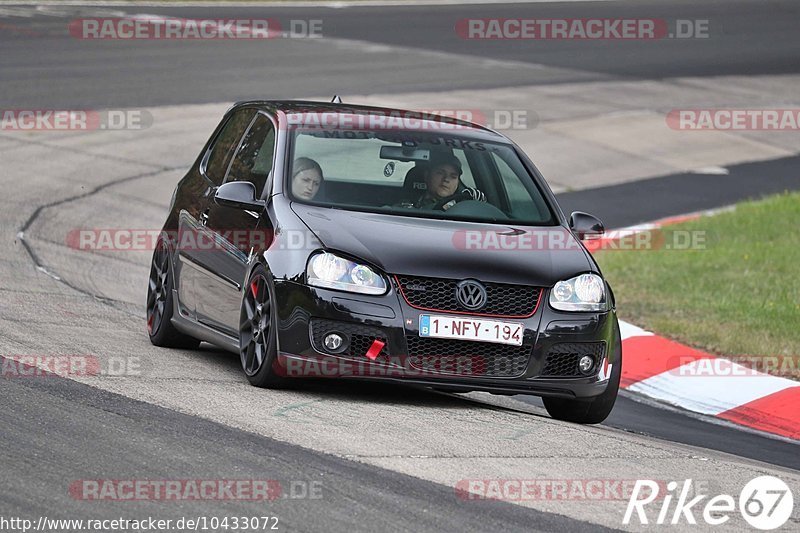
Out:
{"x": 751, "y": 39}
{"x": 114, "y": 433}
{"x": 383, "y": 457}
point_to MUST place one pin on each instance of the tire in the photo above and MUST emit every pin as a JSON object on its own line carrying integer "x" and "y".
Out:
{"x": 159, "y": 304}
{"x": 258, "y": 343}
{"x": 592, "y": 411}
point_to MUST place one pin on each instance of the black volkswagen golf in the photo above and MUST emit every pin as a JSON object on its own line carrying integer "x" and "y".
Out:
{"x": 330, "y": 240}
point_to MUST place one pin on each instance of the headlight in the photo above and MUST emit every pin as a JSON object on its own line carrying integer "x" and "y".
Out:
{"x": 586, "y": 292}
{"x": 333, "y": 272}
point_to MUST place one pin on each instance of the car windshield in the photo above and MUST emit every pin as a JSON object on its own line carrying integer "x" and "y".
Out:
{"x": 411, "y": 173}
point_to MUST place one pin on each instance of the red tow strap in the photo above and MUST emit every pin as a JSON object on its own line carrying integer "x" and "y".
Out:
{"x": 375, "y": 349}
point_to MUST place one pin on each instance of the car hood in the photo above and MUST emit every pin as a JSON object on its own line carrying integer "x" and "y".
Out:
{"x": 527, "y": 255}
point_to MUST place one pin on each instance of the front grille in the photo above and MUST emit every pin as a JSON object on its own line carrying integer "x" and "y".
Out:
{"x": 361, "y": 338}
{"x": 467, "y": 358}
{"x": 562, "y": 358}
{"x": 437, "y": 294}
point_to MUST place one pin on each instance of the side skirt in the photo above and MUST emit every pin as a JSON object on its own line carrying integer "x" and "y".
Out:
{"x": 200, "y": 331}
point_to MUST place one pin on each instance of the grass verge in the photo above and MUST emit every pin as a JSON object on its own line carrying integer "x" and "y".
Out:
{"x": 736, "y": 294}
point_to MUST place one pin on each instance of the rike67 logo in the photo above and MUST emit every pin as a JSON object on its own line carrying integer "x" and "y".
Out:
{"x": 765, "y": 503}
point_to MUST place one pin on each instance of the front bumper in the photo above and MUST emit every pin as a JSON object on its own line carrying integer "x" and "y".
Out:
{"x": 543, "y": 366}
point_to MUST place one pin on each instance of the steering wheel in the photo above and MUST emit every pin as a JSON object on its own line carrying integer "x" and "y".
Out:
{"x": 455, "y": 198}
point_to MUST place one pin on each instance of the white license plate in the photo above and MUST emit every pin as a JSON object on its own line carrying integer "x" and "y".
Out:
{"x": 471, "y": 329}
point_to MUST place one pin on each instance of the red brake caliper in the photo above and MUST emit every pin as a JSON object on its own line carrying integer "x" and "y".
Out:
{"x": 254, "y": 288}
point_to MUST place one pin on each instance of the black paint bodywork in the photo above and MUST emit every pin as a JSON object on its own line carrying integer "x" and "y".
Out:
{"x": 209, "y": 285}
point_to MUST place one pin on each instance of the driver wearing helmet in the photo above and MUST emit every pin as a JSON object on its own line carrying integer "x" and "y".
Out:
{"x": 443, "y": 184}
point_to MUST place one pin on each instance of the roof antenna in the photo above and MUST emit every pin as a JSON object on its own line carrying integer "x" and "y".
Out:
{"x": 336, "y": 99}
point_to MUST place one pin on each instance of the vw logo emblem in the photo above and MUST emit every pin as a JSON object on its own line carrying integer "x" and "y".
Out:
{"x": 471, "y": 294}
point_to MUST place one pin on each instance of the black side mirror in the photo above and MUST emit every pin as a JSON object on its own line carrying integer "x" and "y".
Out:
{"x": 239, "y": 195}
{"x": 586, "y": 226}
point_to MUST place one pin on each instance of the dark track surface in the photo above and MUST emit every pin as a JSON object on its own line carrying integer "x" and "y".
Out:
{"x": 627, "y": 204}
{"x": 106, "y": 436}
{"x": 48, "y": 66}
{"x": 676, "y": 426}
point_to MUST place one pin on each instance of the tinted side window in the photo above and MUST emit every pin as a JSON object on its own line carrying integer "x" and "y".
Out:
{"x": 225, "y": 144}
{"x": 253, "y": 159}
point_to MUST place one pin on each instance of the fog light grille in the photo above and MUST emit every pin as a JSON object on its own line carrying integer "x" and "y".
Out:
{"x": 562, "y": 358}
{"x": 358, "y": 338}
